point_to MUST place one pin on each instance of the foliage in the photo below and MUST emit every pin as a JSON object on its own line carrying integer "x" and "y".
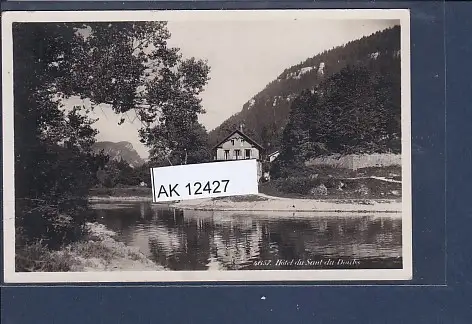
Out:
{"x": 298, "y": 185}
{"x": 118, "y": 173}
{"x": 37, "y": 257}
{"x": 127, "y": 66}
{"x": 178, "y": 142}
{"x": 54, "y": 209}
{"x": 360, "y": 113}
{"x": 337, "y": 187}
{"x": 354, "y": 111}
{"x": 143, "y": 174}
{"x": 284, "y": 167}
{"x": 296, "y": 137}
{"x": 121, "y": 191}
{"x": 100, "y": 249}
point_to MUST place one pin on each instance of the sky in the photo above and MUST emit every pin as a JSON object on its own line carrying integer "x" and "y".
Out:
{"x": 244, "y": 56}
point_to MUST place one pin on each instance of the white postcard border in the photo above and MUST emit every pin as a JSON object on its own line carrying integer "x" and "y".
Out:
{"x": 10, "y": 276}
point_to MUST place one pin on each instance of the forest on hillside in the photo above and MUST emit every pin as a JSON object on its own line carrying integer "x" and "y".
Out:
{"x": 355, "y": 111}
{"x": 266, "y": 114}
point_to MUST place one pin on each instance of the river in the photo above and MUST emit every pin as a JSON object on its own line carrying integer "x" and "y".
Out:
{"x": 205, "y": 240}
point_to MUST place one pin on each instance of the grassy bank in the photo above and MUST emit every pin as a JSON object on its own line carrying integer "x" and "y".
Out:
{"x": 99, "y": 251}
{"x": 321, "y": 183}
{"x": 337, "y": 183}
{"x": 121, "y": 194}
{"x": 245, "y": 198}
{"x": 321, "y": 189}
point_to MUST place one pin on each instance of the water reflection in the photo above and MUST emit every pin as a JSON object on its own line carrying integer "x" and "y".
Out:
{"x": 198, "y": 240}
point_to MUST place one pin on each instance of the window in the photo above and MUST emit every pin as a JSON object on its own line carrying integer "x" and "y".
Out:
{"x": 232, "y": 142}
{"x": 237, "y": 154}
{"x": 226, "y": 154}
{"x": 248, "y": 153}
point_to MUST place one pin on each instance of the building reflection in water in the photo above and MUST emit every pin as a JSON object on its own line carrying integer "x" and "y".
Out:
{"x": 203, "y": 240}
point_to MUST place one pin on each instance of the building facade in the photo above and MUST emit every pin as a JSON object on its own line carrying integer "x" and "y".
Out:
{"x": 239, "y": 146}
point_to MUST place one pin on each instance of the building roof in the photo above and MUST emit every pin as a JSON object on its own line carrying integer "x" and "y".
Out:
{"x": 247, "y": 138}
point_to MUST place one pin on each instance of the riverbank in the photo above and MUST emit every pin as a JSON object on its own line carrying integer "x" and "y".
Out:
{"x": 368, "y": 192}
{"x": 264, "y": 203}
{"x": 336, "y": 183}
{"x": 95, "y": 199}
{"x": 131, "y": 194}
{"x": 323, "y": 184}
{"x": 100, "y": 251}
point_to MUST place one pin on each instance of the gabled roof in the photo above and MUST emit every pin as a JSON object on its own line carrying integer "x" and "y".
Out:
{"x": 247, "y": 138}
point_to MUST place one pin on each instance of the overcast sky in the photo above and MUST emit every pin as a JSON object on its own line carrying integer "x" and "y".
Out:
{"x": 244, "y": 57}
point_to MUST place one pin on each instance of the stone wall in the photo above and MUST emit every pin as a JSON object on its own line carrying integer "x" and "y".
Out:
{"x": 357, "y": 161}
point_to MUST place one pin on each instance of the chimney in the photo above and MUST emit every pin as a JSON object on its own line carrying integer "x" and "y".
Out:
{"x": 241, "y": 128}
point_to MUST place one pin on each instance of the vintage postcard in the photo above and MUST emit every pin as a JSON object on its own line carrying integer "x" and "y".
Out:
{"x": 206, "y": 146}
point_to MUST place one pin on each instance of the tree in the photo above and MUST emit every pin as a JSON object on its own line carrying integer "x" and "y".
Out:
{"x": 125, "y": 65}
{"x": 296, "y": 141}
{"x": 143, "y": 173}
{"x": 129, "y": 66}
{"x": 266, "y": 136}
{"x": 360, "y": 107}
{"x": 270, "y": 139}
{"x": 117, "y": 172}
{"x": 296, "y": 135}
{"x": 54, "y": 166}
{"x": 178, "y": 143}
{"x": 354, "y": 111}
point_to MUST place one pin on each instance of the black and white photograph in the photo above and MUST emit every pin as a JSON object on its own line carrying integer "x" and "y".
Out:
{"x": 97, "y": 105}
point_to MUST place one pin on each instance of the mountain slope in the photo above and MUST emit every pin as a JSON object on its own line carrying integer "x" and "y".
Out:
{"x": 120, "y": 151}
{"x": 265, "y": 115}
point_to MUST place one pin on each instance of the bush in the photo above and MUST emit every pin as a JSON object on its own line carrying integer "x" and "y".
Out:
{"x": 37, "y": 257}
{"x": 298, "y": 185}
{"x": 52, "y": 224}
{"x": 263, "y": 180}
{"x": 282, "y": 169}
{"x": 331, "y": 183}
{"x": 94, "y": 249}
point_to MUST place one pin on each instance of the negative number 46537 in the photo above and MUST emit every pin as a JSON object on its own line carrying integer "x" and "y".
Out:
{"x": 210, "y": 187}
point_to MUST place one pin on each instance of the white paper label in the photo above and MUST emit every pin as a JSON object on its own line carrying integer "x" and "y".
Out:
{"x": 205, "y": 180}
